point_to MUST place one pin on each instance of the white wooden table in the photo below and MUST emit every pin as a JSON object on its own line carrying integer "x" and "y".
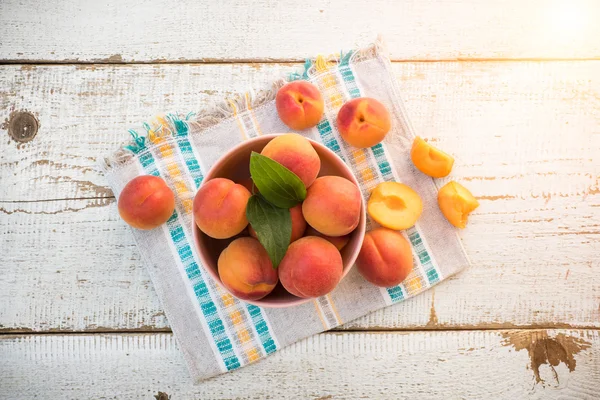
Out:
{"x": 511, "y": 87}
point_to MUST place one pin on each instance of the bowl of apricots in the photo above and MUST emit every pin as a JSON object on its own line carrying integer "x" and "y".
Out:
{"x": 279, "y": 220}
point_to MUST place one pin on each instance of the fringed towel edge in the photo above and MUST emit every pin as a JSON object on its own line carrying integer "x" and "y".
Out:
{"x": 175, "y": 124}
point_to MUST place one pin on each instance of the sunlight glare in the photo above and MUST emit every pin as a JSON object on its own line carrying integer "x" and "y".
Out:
{"x": 568, "y": 19}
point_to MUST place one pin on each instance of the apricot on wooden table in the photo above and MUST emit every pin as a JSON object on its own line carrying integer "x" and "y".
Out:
{"x": 456, "y": 203}
{"x": 430, "y": 160}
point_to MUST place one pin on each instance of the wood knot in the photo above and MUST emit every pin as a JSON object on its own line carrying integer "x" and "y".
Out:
{"x": 22, "y": 126}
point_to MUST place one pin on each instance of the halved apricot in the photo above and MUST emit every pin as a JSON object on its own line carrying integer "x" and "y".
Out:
{"x": 456, "y": 202}
{"x": 395, "y": 205}
{"x": 430, "y": 160}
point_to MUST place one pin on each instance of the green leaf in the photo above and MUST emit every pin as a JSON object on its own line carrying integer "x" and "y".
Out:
{"x": 273, "y": 226}
{"x": 275, "y": 182}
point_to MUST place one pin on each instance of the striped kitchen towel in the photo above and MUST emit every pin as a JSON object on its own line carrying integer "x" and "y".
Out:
{"x": 217, "y": 332}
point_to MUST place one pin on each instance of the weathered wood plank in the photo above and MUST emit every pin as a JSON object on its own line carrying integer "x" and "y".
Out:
{"x": 504, "y": 121}
{"x": 85, "y": 111}
{"x": 130, "y": 30}
{"x": 468, "y": 364}
{"x": 73, "y": 265}
{"x": 526, "y": 137}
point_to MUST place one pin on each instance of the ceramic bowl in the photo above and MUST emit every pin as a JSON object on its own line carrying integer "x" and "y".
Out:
{"x": 234, "y": 165}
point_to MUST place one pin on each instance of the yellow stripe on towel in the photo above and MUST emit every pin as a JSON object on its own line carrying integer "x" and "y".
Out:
{"x": 256, "y": 126}
{"x": 237, "y": 119}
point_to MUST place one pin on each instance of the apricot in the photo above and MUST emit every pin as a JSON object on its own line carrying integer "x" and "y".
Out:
{"x": 220, "y": 208}
{"x": 312, "y": 267}
{"x": 338, "y": 241}
{"x": 248, "y": 183}
{"x": 456, "y": 203}
{"x": 296, "y": 154}
{"x": 363, "y": 122}
{"x": 385, "y": 258}
{"x": 395, "y": 205}
{"x": 298, "y": 224}
{"x": 430, "y": 160}
{"x": 299, "y": 105}
{"x": 246, "y": 270}
{"x": 146, "y": 202}
{"x": 332, "y": 206}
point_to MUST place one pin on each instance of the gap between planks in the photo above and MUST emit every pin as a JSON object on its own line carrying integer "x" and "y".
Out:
{"x": 225, "y": 61}
{"x": 465, "y": 328}
{"x": 112, "y": 196}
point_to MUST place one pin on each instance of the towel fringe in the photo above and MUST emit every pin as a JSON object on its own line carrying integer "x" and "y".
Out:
{"x": 320, "y": 64}
{"x": 376, "y": 49}
{"x": 179, "y": 124}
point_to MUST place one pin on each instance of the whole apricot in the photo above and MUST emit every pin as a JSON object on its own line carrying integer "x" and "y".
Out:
{"x": 456, "y": 203}
{"x": 385, "y": 258}
{"x": 146, "y": 202}
{"x": 248, "y": 183}
{"x": 220, "y": 208}
{"x": 395, "y": 205}
{"x": 312, "y": 267}
{"x": 246, "y": 269}
{"x": 332, "y": 206}
{"x": 338, "y": 241}
{"x": 363, "y": 122}
{"x": 430, "y": 160}
{"x": 296, "y": 154}
{"x": 299, "y": 105}
{"x": 298, "y": 224}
